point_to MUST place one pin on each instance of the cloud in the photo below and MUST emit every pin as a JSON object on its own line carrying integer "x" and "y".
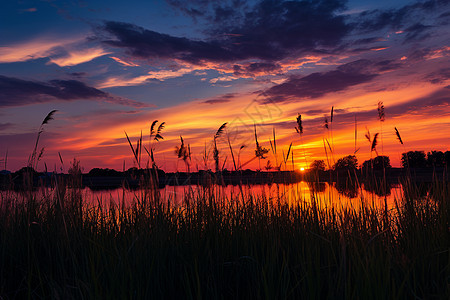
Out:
{"x": 305, "y": 27}
{"x": 409, "y": 16}
{"x": 77, "y": 57}
{"x": 256, "y": 69}
{"x": 63, "y": 52}
{"x": 19, "y": 92}
{"x": 222, "y": 99}
{"x": 416, "y": 31}
{"x": 124, "y": 63}
{"x": 439, "y": 76}
{"x": 4, "y": 126}
{"x": 78, "y": 74}
{"x": 431, "y": 104}
{"x": 34, "y": 49}
{"x": 430, "y": 53}
{"x": 133, "y": 81}
{"x": 31, "y": 9}
{"x": 319, "y": 84}
{"x": 211, "y": 10}
{"x": 143, "y": 43}
{"x": 266, "y": 37}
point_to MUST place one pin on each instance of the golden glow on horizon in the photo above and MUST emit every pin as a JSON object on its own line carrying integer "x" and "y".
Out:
{"x": 197, "y": 122}
{"x": 101, "y": 142}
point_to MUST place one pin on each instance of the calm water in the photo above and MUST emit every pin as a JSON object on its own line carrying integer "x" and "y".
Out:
{"x": 324, "y": 194}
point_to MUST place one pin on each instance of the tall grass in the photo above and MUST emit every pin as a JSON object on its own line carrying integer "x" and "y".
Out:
{"x": 221, "y": 246}
{"x": 216, "y": 246}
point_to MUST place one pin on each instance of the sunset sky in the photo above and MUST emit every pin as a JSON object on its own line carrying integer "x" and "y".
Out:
{"x": 115, "y": 66}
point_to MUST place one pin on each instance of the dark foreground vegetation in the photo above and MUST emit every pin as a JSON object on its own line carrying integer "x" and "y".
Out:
{"x": 215, "y": 247}
{"x": 60, "y": 244}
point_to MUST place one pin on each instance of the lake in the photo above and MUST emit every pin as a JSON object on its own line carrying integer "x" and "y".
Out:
{"x": 325, "y": 194}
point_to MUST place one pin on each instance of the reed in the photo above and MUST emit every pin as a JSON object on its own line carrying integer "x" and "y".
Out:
{"x": 35, "y": 157}
{"x": 216, "y": 246}
{"x": 216, "y": 150}
{"x": 58, "y": 243}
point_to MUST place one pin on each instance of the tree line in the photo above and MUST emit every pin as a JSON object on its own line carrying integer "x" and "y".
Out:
{"x": 410, "y": 159}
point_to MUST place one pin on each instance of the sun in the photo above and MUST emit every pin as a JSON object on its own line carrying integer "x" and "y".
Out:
{"x": 302, "y": 169}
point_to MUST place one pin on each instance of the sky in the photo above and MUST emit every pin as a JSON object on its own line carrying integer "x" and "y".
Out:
{"x": 110, "y": 67}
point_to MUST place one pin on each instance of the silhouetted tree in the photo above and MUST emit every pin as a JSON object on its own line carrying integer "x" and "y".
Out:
{"x": 75, "y": 171}
{"x": 447, "y": 158}
{"x": 436, "y": 159}
{"x": 317, "y": 165}
{"x": 348, "y": 163}
{"x": 104, "y": 172}
{"x": 414, "y": 159}
{"x": 377, "y": 163}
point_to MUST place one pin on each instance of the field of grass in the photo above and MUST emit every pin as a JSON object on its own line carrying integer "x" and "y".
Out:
{"x": 216, "y": 247}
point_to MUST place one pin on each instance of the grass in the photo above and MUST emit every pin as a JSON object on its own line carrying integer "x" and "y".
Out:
{"x": 221, "y": 246}
{"x": 215, "y": 246}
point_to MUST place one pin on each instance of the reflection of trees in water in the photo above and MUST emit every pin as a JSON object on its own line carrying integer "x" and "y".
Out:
{"x": 316, "y": 187}
{"x": 347, "y": 187}
{"x": 418, "y": 190}
{"x": 378, "y": 187}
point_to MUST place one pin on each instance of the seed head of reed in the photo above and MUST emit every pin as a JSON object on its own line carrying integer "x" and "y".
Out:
{"x": 299, "y": 127}
{"x": 381, "y": 111}
{"x": 398, "y": 135}
{"x": 220, "y": 130}
{"x": 374, "y": 142}
{"x": 32, "y": 160}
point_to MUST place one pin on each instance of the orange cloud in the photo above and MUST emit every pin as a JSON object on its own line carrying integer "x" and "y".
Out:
{"x": 34, "y": 49}
{"x": 101, "y": 142}
{"x": 122, "y": 62}
{"x": 133, "y": 81}
{"x": 77, "y": 57}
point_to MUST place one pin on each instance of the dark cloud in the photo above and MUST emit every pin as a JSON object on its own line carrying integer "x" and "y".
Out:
{"x": 253, "y": 69}
{"x": 319, "y": 84}
{"x": 416, "y": 31}
{"x": 4, "y": 126}
{"x": 430, "y": 105}
{"x": 397, "y": 19}
{"x": 270, "y": 31}
{"x": 256, "y": 36}
{"x": 222, "y": 99}
{"x": 211, "y": 10}
{"x": 18, "y": 92}
{"x": 143, "y": 43}
{"x": 316, "y": 85}
{"x": 445, "y": 15}
{"x": 368, "y": 40}
{"x": 439, "y": 76}
{"x": 424, "y": 53}
{"x": 78, "y": 74}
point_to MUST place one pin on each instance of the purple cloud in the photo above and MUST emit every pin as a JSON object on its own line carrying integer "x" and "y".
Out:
{"x": 253, "y": 69}
{"x": 269, "y": 31}
{"x": 439, "y": 76}
{"x": 222, "y": 99}
{"x": 305, "y": 26}
{"x": 19, "y": 92}
{"x": 4, "y": 126}
{"x": 318, "y": 84}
